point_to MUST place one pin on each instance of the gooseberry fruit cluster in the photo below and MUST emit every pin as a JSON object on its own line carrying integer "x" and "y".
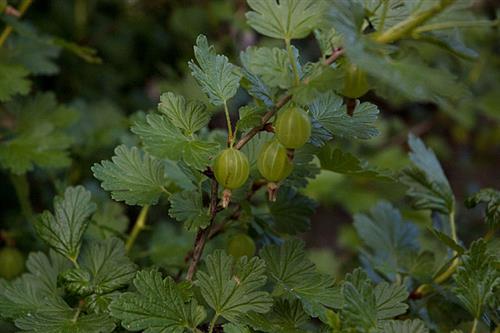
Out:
{"x": 292, "y": 130}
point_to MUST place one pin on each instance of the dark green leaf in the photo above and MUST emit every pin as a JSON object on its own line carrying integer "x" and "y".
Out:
{"x": 158, "y": 305}
{"x": 132, "y": 176}
{"x": 187, "y": 207}
{"x": 232, "y": 288}
{"x": 64, "y": 230}
{"x": 13, "y": 80}
{"x": 491, "y": 198}
{"x": 285, "y": 317}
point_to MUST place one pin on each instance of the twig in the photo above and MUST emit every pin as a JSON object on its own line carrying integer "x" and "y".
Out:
{"x": 23, "y": 7}
{"x": 281, "y": 102}
{"x": 202, "y": 235}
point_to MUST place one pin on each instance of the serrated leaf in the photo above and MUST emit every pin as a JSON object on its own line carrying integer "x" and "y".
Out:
{"x": 187, "y": 207}
{"x": 395, "y": 12}
{"x": 254, "y": 85}
{"x": 491, "y": 198}
{"x": 337, "y": 160}
{"x": 35, "y": 290}
{"x": 163, "y": 140}
{"x": 158, "y": 305}
{"x": 235, "y": 328}
{"x": 388, "y": 238}
{"x": 428, "y": 185}
{"x": 250, "y": 116}
{"x": 103, "y": 268}
{"x": 109, "y": 220}
{"x": 132, "y": 176}
{"x": 406, "y": 326}
{"x": 286, "y": 19}
{"x": 65, "y": 321}
{"x": 447, "y": 240}
{"x": 232, "y": 288}
{"x": 13, "y": 80}
{"x": 328, "y": 109}
{"x": 218, "y": 78}
{"x": 366, "y": 306}
{"x": 285, "y": 317}
{"x": 271, "y": 65}
{"x": 189, "y": 116}
{"x": 64, "y": 230}
{"x": 39, "y": 137}
{"x": 291, "y": 211}
{"x": 476, "y": 278}
{"x": 296, "y": 277}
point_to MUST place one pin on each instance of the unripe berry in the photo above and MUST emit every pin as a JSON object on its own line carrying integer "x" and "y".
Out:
{"x": 355, "y": 83}
{"x": 273, "y": 161}
{"x": 231, "y": 169}
{"x": 241, "y": 245}
{"x": 293, "y": 127}
{"x": 274, "y": 164}
{"x": 11, "y": 263}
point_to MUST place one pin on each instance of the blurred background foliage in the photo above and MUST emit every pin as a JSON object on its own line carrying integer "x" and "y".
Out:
{"x": 141, "y": 50}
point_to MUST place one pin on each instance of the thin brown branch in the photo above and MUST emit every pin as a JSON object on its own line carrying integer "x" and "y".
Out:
{"x": 281, "y": 102}
{"x": 202, "y": 235}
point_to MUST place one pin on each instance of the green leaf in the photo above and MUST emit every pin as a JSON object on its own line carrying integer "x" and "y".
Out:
{"x": 231, "y": 288}
{"x": 189, "y": 116}
{"x": 476, "y": 278}
{"x": 389, "y": 239}
{"x": 132, "y": 176}
{"x": 406, "y": 326}
{"x": 284, "y": 317}
{"x": 235, "y": 328}
{"x": 491, "y": 198}
{"x": 218, "y": 78}
{"x": 395, "y": 12}
{"x": 13, "y": 80}
{"x": 65, "y": 321}
{"x": 291, "y": 211}
{"x": 428, "y": 185}
{"x": 40, "y": 135}
{"x": 158, "y": 305}
{"x": 187, "y": 207}
{"x": 271, "y": 65}
{"x": 366, "y": 306}
{"x": 286, "y": 19}
{"x": 103, "y": 268}
{"x": 296, "y": 277}
{"x": 35, "y": 290}
{"x": 328, "y": 109}
{"x": 64, "y": 231}
{"x": 250, "y": 116}
{"x": 163, "y": 140}
{"x": 447, "y": 240}
{"x": 337, "y": 160}
{"x": 254, "y": 85}
{"x": 109, "y": 220}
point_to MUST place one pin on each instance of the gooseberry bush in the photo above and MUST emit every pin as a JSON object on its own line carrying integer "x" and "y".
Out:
{"x": 240, "y": 191}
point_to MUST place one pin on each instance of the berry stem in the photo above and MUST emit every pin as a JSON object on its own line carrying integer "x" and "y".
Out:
{"x": 140, "y": 223}
{"x": 230, "y": 138}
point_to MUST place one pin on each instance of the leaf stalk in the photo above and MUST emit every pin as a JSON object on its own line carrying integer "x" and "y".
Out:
{"x": 139, "y": 224}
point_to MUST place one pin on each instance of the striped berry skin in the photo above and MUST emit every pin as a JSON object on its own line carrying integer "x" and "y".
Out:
{"x": 231, "y": 168}
{"x": 293, "y": 127}
{"x": 273, "y": 162}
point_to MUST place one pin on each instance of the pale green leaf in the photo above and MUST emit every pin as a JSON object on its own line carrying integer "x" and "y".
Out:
{"x": 132, "y": 176}
{"x": 296, "y": 277}
{"x": 285, "y": 19}
{"x": 232, "y": 288}
{"x": 64, "y": 230}
{"x": 218, "y": 78}
{"x": 158, "y": 306}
